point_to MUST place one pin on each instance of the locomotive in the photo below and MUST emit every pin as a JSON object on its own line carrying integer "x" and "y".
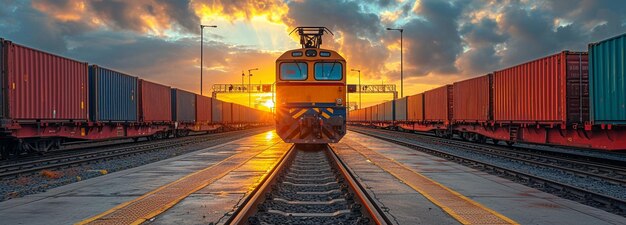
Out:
{"x": 311, "y": 91}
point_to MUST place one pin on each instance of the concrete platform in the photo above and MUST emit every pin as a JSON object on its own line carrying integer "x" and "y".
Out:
{"x": 521, "y": 204}
{"x": 78, "y": 201}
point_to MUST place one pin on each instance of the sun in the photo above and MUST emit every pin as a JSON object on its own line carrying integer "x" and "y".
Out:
{"x": 269, "y": 104}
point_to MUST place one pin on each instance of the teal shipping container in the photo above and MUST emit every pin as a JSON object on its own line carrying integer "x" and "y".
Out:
{"x": 607, "y": 61}
{"x": 113, "y": 95}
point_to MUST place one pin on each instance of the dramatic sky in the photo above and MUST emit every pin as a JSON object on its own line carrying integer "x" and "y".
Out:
{"x": 444, "y": 41}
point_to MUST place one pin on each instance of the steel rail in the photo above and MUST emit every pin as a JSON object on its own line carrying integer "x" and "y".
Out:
{"x": 611, "y": 204}
{"x": 97, "y": 155}
{"x": 595, "y": 168}
{"x": 250, "y": 206}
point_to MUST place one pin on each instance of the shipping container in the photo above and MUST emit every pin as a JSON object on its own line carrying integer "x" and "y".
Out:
{"x": 112, "y": 95}
{"x": 216, "y": 111}
{"x": 400, "y": 109}
{"x": 236, "y": 113}
{"x": 607, "y": 63}
{"x": 380, "y": 108}
{"x": 154, "y": 102}
{"x": 438, "y": 104}
{"x": 389, "y": 111}
{"x": 183, "y": 106}
{"x": 203, "y": 109}
{"x": 227, "y": 112}
{"x": 472, "y": 99}
{"x": 43, "y": 86}
{"x": 374, "y": 113}
{"x": 553, "y": 89}
{"x": 415, "y": 107}
{"x": 2, "y": 78}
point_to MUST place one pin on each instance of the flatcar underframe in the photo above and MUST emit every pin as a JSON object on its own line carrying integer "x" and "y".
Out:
{"x": 601, "y": 137}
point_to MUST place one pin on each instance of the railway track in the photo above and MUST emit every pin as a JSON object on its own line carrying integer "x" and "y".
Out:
{"x": 573, "y": 165}
{"x": 309, "y": 186}
{"x": 79, "y": 156}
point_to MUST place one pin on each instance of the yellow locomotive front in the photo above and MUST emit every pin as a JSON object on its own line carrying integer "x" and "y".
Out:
{"x": 311, "y": 92}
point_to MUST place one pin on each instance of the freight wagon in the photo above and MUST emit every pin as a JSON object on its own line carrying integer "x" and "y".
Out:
{"x": 48, "y": 99}
{"x": 567, "y": 99}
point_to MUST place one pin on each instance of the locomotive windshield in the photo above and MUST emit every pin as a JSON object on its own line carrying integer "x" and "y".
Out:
{"x": 293, "y": 71}
{"x": 328, "y": 71}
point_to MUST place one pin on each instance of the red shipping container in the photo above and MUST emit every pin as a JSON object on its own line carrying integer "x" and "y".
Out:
{"x": 415, "y": 107}
{"x": 203, "y": 109}
{"x": 43, "y": 86}
{"x": 155, "y": 102}
{"x": 472, "y": 99}
{"x": 227, "y": 112}
{"x": 438, "y": 104}
{"x": 546, "y": 90}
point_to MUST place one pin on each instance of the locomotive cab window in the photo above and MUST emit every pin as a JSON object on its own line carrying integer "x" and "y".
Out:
{"x": 328, "y": 71}
{"x": 293, "y": 71}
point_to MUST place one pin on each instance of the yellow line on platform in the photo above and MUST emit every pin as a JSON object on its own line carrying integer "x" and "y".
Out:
{"x": 161, "y": 199}
{"x": 460, "y": 207}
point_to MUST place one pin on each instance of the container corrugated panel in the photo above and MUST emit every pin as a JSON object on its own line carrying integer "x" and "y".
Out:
{"x": 380, "y": 116}
{"x": 415, "y": 107}
{"x": 607, "y": 65}
{"x": 183, "y": 106}
{"x": 43, "y": 86}
{"x": 400, "y": 109}
{"x": 472, "y": 99}
{"x": 2, "y": 78}
{"x": 203, "y": 109}
{"x": 547, "y": 90}
{"x": 374, "y": 111}
{"x": 227, "y": 112}
{"x": 389, "y": 111}
{"x": 113, "y": 95}
{"x": 216, "y": 110}
{"x": 438, "y": 104}
{"x": 154, "y": 102}
{"x": 237, "y": 112}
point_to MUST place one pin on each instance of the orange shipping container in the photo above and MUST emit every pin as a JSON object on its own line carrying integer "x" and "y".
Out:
{"x": 415, "y": 107}
{"x": 203, "y": 109}
{"x": 472, "y": 100}
{"x": 553, "y": 89}
{"x": 438, "y": 104}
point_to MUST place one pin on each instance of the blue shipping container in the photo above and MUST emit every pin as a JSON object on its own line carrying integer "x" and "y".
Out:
{"x": 183, "y": 106}
{"x": 607, "y": 83}
{"x": 113, "y": 95}
{"x": 216, "y": 107}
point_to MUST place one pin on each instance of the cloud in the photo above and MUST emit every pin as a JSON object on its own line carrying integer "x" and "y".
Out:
{"x": 432, "y": 40}
{"x": 444, "y": 40}
{"x": 358, "y": 33}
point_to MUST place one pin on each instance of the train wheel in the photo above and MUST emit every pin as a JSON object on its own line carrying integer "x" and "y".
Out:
{"x": 510, "y": 143}
{"x": 495, "y": 141}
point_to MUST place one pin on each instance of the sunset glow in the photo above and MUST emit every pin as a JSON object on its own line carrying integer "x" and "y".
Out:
{"x": 444, "y": 41}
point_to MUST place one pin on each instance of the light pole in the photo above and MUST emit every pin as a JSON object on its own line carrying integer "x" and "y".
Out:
{"x": 359, "y": 86}
{"x": 249, "y": 78}
{"x": 401, "y": 71}
{"x": 201, "y": 51}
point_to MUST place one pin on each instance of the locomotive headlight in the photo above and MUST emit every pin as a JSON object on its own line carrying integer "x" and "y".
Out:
{"x": 339, "y": 101}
